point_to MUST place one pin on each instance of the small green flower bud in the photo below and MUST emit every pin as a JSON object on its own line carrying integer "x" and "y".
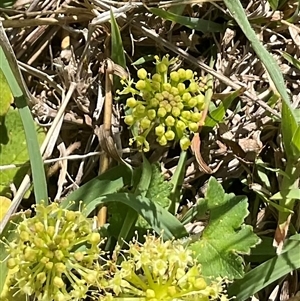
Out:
{"x": 155, "y": 86}
{"x": 192, "y": 102}
{"x": 49, "y": 254}
{"x": 184, "y": 144}
{"x": 173, "y": 103}
{"x": 11, "y": 263}
{"x": 159, "y": 96}
{"x": 44, "y": 260}
{"x": 162, "y": 140}
{"x": 170, "y": 135}
{"x": 161, "y": 112}
{"x": 189, "y": 74}
{"x": 150, "y": 294}
{"x": 24, "y": 236}
{"x": 41, "y": 277}
{"x": 39, "y": 227}
{"x": 60, "y": 267}
{"x": 90, "y": 278}
{"x": 168, "y": 108}
{"x": 38, "y": 242}
{"x": 159, "y": 130}
{"x": 169, "y": 121}
{"x": 142, "y": 73}
{"x": 167, "y": 87}
{"x": 70, "y": 216}
{"x": 180, "y": 125}
{"x": 161, "y": 68}
{"x": 94, "y": 238}
{"x": 151, "y": 114}
{"x": 174, "y": 91}
{"x": 153, "y": 102}
{"x": 174, "y": 76}
{"x": 177, "y": 98}
{"x": 165, "y": 94}
{"x": 176, "y": 111}
{"x": 58, "y": 282}
{"x": 180, "y": 106}
{"x": 186, "y": 96}
{"x": 193, "y": 126}
{"x": 181, "y": 88}
{"x": 163, "y": 103}
{"x": 200, "y": 284}
{"x": 200, "y": 99}
{"x": 196, "y": 116}
{"x": 182, "y": 74}
{"x": 129, "y": 120}
{"x": 131, "y": 102}
{"x": 78, "y": 256}
{"x": 171, "y": 97}
{"x": 64, "y": 243}
{"x": 186, "y": 115}
{"x": 140, "y": 85}
{"x": 29, "y": 254}
{"x": 51, "y": 231}
{"x": 59, "y": 255}
{"x": 157, "y": 78}
{"x": 140, "y": 109}
{"x": 49, "y": 265}
{"x": 193, "y": 87}
{"x": 145, "y": 123}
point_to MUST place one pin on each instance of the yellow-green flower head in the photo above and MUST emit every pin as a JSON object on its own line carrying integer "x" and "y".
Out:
{"x": 164, "y": 98}
{"x": 162, "y": 271}
{"x": 55, "y": 255}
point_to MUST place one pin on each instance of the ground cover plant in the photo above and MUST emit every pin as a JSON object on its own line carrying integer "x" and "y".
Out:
{"x": 149, "y": 150}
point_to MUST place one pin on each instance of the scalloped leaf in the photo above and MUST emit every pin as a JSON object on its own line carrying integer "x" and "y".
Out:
{"x": 13, "y": 150}
{"x": 226, "y": 236}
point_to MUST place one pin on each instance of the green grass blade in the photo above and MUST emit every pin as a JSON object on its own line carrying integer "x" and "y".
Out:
{"x": 289, "y": 124}
{"x": 216, "y": 116}
{"x": 158, "y": 218}
{"x": 117, "y": 50}
{"x": 9, "y": 66}
{"x": 108, "y": 182}
{"x": 193, "y": 23}
{"x": 265, "y": 274}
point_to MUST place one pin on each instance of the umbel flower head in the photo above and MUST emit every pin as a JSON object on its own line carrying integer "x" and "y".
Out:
{"x": 55, "y": 255}
{"x": 167, "y": 103}
{"x": 162, "y": 271}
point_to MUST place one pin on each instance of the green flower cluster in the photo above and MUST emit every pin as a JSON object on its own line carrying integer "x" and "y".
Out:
{"x": 55, "y": 255}
{"x": 169, "y": 103}
{"x": 162, "y": 271}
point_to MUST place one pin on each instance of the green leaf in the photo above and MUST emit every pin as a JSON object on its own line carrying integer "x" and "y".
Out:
{"x": 158, "y": 218}
{"x": 225, "y": 236}
{"x": 288, "y": 122}
{"x": 6, "y": 97}
{"x": 265, "y": 274}
{"x": 9, "y": 66}
{"x": 293, "y": 193}
{"x": 158, "y": 192}
{"x": 145, "y": 179}
{"x": 273, "y": 4}
{"x": 216, "y": 116}
{"x": 193, "y": 23}
{"x": 109, "y": 182}
{"x": 296, "y": 142}
{"x": 291, "y": 59}
{"x": 13, "y": 150}
{"x": 117, "y": 50}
